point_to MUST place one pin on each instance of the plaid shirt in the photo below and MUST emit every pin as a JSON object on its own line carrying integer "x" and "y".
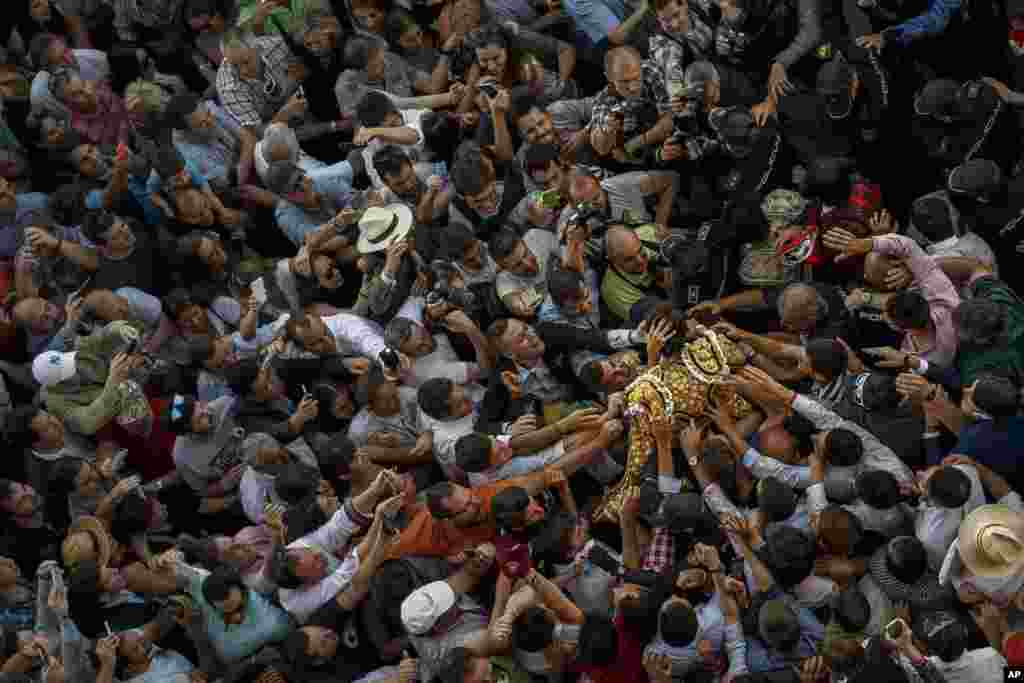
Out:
{"x": 149, "y": 13}
{"x": 640, "y": 114}
{"x": 253, "y": 102}
{"x": 661, "y": 553}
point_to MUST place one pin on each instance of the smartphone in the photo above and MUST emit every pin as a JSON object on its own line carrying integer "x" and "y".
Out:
{"x": 549, "y": 199}
{"x": 894, "y": 629}
{"x": 259, "y": 290}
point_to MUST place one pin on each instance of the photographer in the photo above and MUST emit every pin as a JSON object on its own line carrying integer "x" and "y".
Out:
{"x": 622, "y": 198}
{"x": 634, "y": 275}
{"x": 523, "y": 267}
{"x": 413, "y": 333}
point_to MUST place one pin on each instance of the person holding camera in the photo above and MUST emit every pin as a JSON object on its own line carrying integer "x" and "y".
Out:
{"x": 91, "y": 386}
{"x": 412, "y": 332}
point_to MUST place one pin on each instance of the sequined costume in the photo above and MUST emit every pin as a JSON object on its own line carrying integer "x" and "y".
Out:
{"x": 684, "y": 385}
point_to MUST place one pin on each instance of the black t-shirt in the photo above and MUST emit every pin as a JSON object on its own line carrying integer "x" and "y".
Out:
{"x": 138, "y": 270}
{"x": 509, "y": 173}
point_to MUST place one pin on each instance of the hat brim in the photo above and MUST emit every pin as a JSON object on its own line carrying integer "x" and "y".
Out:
{"x": 404, "y": 213}
{"x": 972, "y": 556}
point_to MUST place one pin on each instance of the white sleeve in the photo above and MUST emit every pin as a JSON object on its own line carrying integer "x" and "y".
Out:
{"x": 412, "y": 309}
{"x": 333, "y": 535}
{"x": 301, "y": 604}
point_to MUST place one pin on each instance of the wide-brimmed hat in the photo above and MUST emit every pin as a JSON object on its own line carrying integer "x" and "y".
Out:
{"x": 992, "y": 541}
{"x": 73, "y": 550}
{"x": 425, "y": 605}
{"x": 380, "y": 227}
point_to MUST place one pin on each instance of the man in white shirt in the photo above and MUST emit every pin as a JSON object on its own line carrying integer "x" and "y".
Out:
{"x": 432, "y": 354}
{"x": 342, "y": 333}
{"x": 308, "y": 572}
{"x": 948, "y": 494}
{"x": 390, "y": 410}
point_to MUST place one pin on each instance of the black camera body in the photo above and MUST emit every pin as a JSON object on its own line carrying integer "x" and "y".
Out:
{"x": 350, "y": 233}
{"x": 443, "y": 292}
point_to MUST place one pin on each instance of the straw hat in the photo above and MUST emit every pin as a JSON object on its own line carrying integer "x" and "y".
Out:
{"x": 75, "y": 547}
{"x": 992, "y": 541}
{"x": 380, "y": 227}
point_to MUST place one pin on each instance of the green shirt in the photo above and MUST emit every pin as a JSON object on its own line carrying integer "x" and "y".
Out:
{"x": 292, "y": 18}
{"x": 621, "y": 290}
{"x": 1007, "y": 357}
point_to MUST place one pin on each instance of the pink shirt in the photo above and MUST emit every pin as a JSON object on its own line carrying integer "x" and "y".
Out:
{"x": 937, "y": 289}
{"x": 109, "y": 124}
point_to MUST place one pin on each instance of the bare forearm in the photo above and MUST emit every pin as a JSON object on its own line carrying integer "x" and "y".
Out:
{"x": 566, "y": 62}
{"x": 630, "y": 546}
{"x": 666, "y": 198}
{"x": 79, "y": 255}
{"x": 536, "y": 440}
{"x": 502, "y": 137}
{"x": 751, "y": 297}
{"x": 400, "y": 135}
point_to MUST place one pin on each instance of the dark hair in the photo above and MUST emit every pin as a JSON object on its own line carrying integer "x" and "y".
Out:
{"x": 878, "y": 488}
{"x": 827, "y": 357}
{"x": 372, "y": 109}
{"x": 473, "y": 452}
{"x": 241, "y": 377}
{"x": 507, "y": 504}
{"x": 433, "y": 397}
{"x": 18, "y": 427}
{"x": 217, "y": 586}
{"x": 467, "y": 169}
{"x": 59, "y": 488}
{"x": 640, "y": 616}
{"x": 906, "y": 559}
{"x": 398, "y": 22}
{"x": 282, "y": 568}
{"x": 504, "y": 243}
{"x": 598, "y": 641}
{"x": 909, "y": 310}
{"x": 491, "y": 35}
{"x": 943, "y": 633}
{"x": 357, "y": 51}
{"x": 389, "y": 160}
{"x": 565, "y": 285}
{"x": 294, "y": 648}
{"x": 539, "y": 157}
{"x": 436, "y": 496}
{"x": 844, "y": 447}
{"x": 523, "y": 102}
{"x": 801, "y": 429}
{"x": 200, "y": 349}
{"x": 678, "y": 624}
{"x": 789, "y": 553}
{"x": 96, "y": 224}
{"x": 441, "y": 135}
{"x": 592, "y": 376}
{"x": 453, "y": 666}
{"x": 534, "y": 631}
{"x": 980, "y": 322}
{"x": 456, "y": 238}
{"x": 853, "y": 612}
{"x": 131, "y": 518}
{"x": 949, "y": 487}
{"x": 776, "y": 499}
{"x": 996, "y": 395}
{"x": 67, "y": 203}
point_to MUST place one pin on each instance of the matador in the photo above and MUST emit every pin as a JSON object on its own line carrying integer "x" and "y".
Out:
{"x": 683, "y": 384}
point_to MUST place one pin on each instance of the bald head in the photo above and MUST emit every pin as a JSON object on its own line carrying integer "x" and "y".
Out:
{"x": 615, "y": 60}
{"x": 619, "y": 242}
{"x": 875, "y": 267}
{"x": 798, "y": 308}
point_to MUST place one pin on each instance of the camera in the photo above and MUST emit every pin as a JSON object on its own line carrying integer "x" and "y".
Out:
{"x": 589, "y": 215}
{"x": 389, "y": 359}
{"x": 443, "y": 292}
{"x": 490, "y": 89}
{"x": 350, "y": 232}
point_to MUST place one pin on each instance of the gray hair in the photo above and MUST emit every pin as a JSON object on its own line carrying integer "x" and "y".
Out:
{"x": 801, "y": 288}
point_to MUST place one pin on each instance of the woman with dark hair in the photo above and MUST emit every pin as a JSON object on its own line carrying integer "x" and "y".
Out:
{"x": 507, "y": 57}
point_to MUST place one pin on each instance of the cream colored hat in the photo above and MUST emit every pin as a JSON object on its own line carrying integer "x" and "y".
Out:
{"x": 380, "y": 227}
{"x": 992, "y": 541}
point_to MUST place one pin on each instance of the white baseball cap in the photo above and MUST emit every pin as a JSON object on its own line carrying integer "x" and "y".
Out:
{"x": 425, "y": 605}
{"x": 53, "y": 367}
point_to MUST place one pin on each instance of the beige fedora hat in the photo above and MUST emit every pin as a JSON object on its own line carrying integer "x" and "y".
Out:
{"x": 992, "y": 541}
{"x": 380, "y": 227}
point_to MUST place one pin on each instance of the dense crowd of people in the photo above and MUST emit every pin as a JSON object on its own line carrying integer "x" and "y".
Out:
{"x": 508, "y": 341}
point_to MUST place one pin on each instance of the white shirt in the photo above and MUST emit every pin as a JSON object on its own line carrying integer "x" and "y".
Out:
{"x": 301, "y": 603}
{"x": 447, "y": 432}
{"x": 937, "y": 526}
{"x": 406, "y": 423}
{"x": 355, "y": 335}
{"x": 410, "y": 119}
{"x": 975, "y": 666}
{"x": 442, "y": 361}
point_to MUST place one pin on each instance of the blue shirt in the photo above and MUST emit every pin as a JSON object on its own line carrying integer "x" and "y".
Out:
{"x": 334, "y": 183}
{"x": 931, "y": 23}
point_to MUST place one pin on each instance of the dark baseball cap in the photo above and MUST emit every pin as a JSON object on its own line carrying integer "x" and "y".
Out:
{"x": 932, "y": 216}
{"x": 937, "y": 98}
{"x": 834, "y": 79}
{"x": 777, "y": 624}
{"x": 975, "y": 177}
